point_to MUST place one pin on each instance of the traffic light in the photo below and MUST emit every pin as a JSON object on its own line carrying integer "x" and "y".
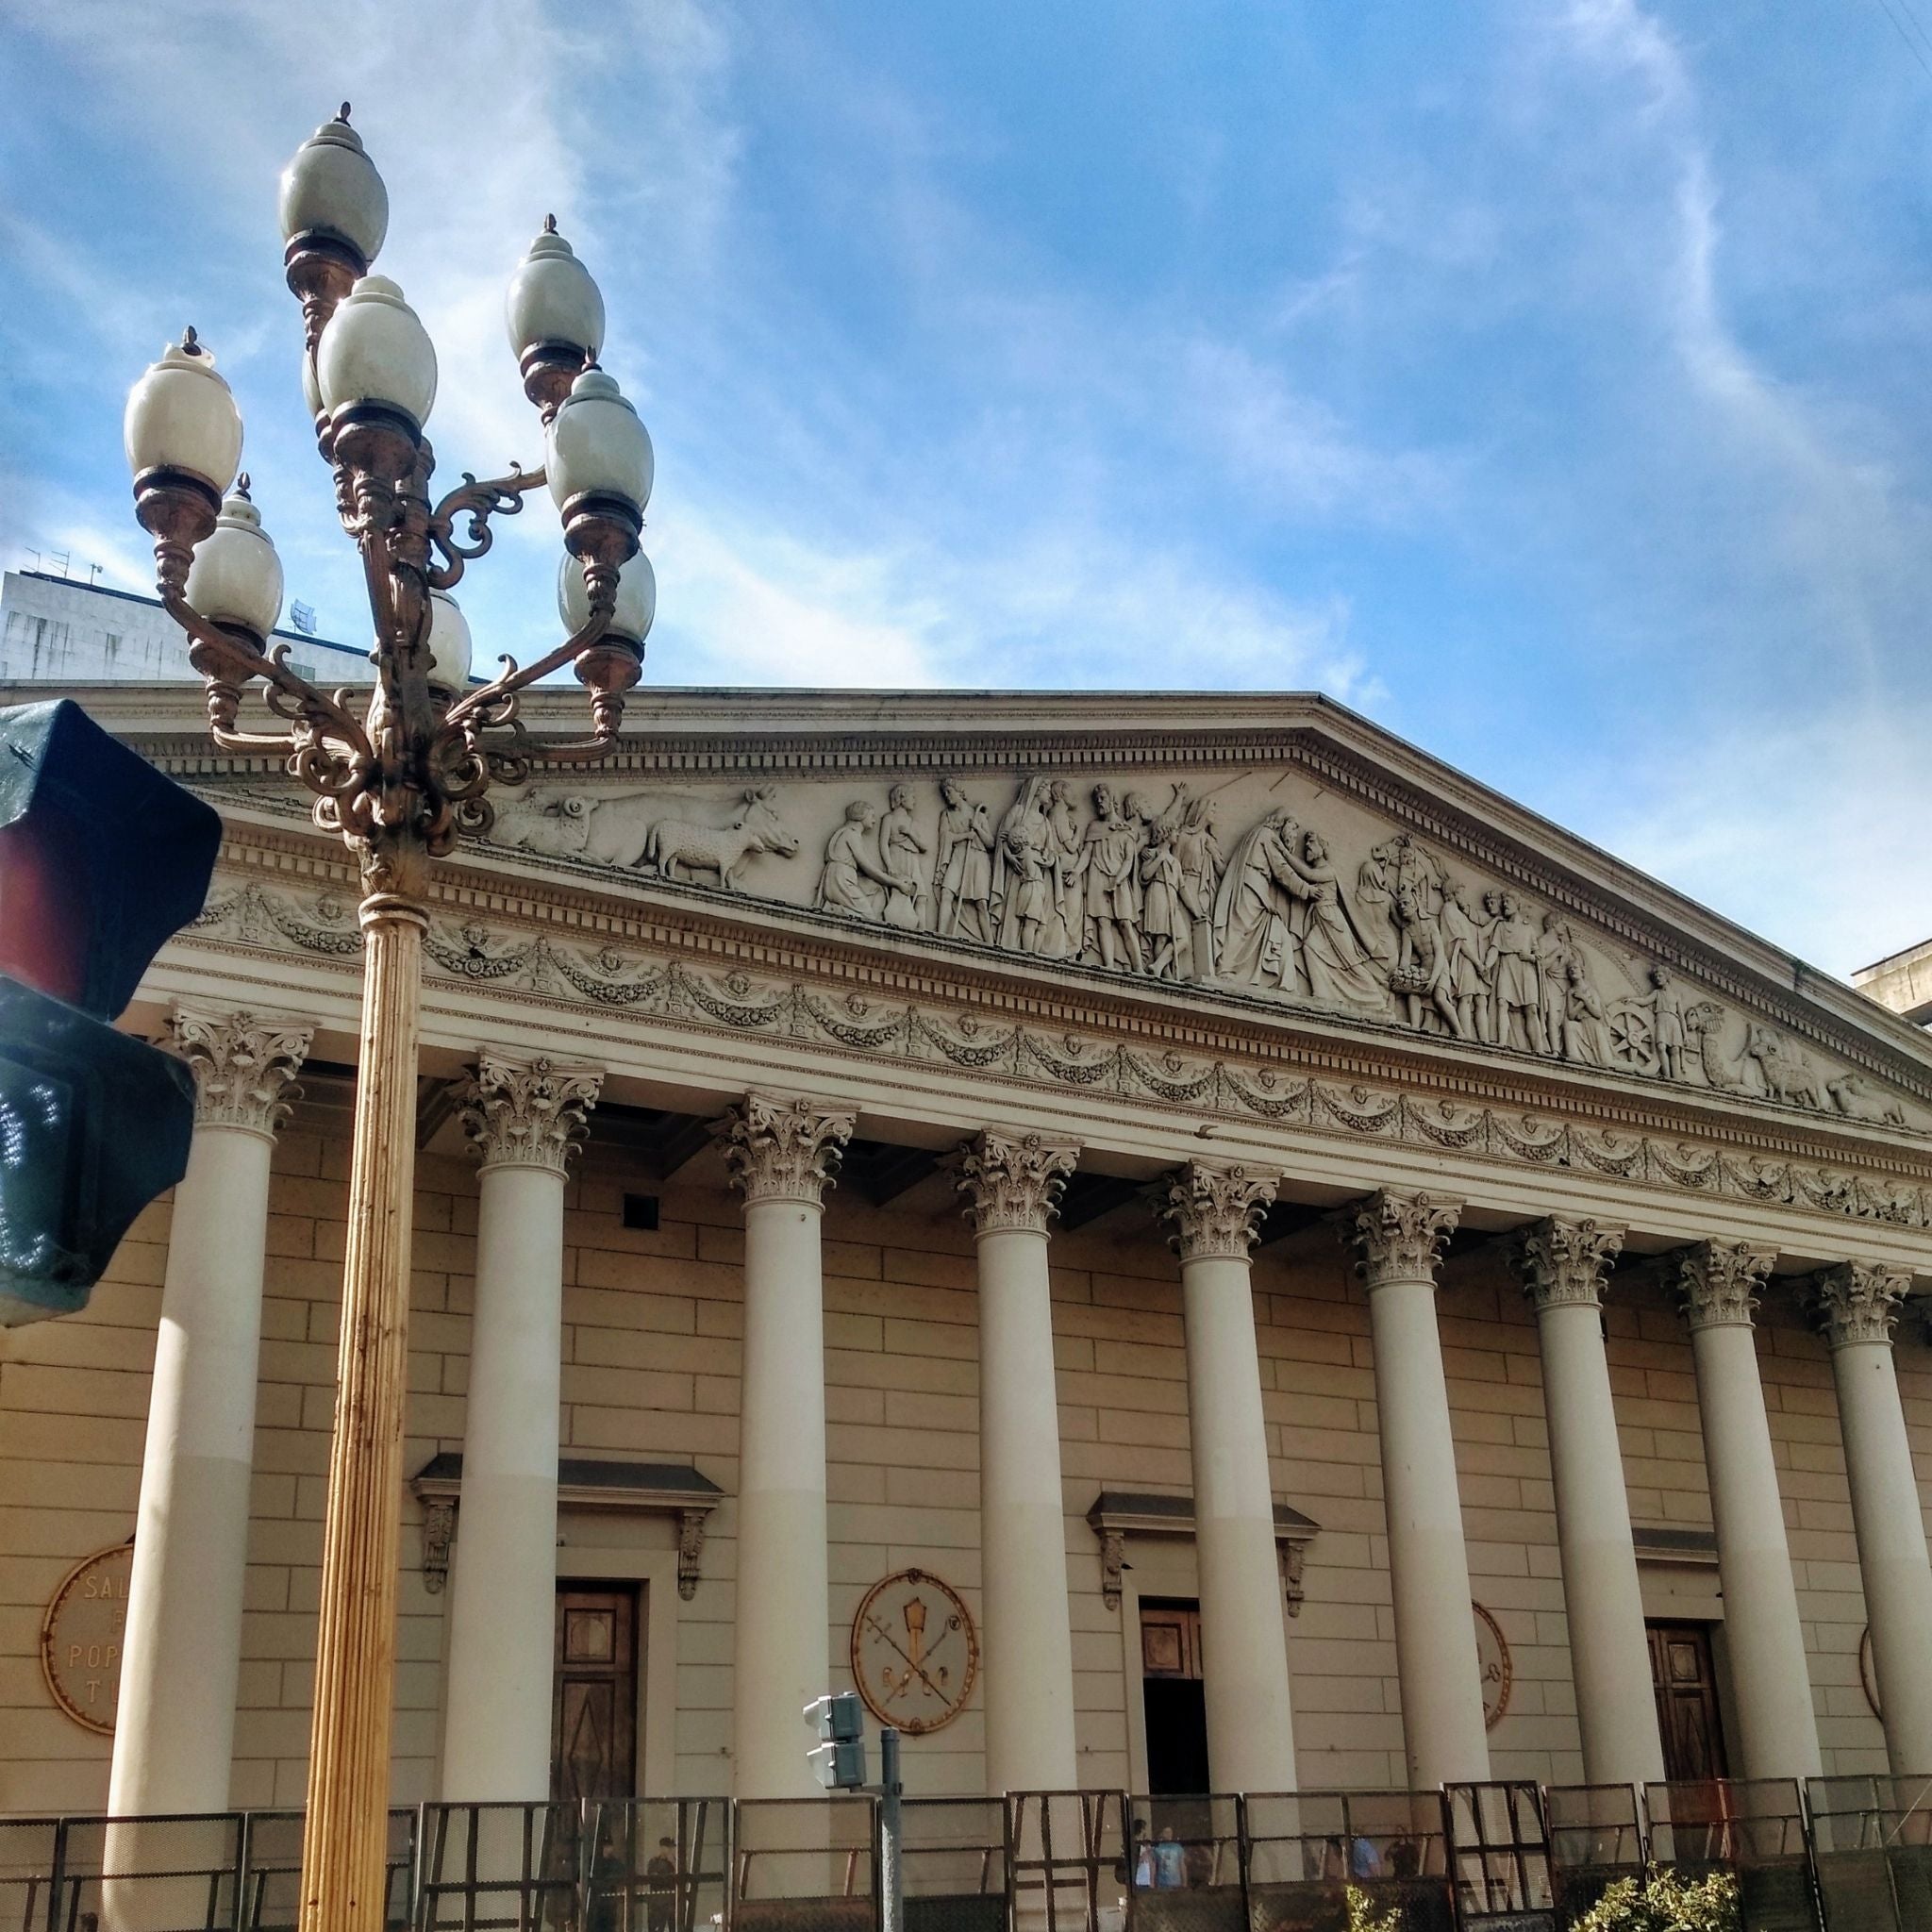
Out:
{"x": 101, "y": 859}
{"x": 840, "y": 1759}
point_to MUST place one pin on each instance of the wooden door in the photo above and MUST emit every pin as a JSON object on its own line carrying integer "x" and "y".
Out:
{"x": 1685, "y": 1684}
{"x": 1170, "y": 1641}
{"x": 1173, "y": 1701}
{"x": 595, "y": 1703}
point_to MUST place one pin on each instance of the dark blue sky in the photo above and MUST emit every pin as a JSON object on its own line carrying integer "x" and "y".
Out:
{"x": 1549, "y": 381}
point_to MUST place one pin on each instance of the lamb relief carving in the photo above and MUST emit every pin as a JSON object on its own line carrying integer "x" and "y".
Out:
{"x": 1129, "y": 881}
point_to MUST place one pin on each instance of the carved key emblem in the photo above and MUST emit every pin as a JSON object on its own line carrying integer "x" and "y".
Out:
{"x": 915, "y": 1653}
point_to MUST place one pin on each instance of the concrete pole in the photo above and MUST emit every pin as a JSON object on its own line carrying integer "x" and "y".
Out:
{"x": 522, "y": 1116}
{"x": 1215, "y": 1212}
{"x": 1719, "y": 1283}
{"x": 1563, "y": 1263}
{"x": 1399, "y": 1237}
{"x": 781, "y": 1154}
{"x": 1013, "y": 1181}
{"x": 174, "y": 1735}
{"x": 1857, "y": 1306}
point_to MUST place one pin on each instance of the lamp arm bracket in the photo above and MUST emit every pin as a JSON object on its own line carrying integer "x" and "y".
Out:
{"x": 479, "y": 502}
{"x": 488, "y": 699}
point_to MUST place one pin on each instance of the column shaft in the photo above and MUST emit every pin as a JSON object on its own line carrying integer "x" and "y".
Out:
{"x": 781, "y": 1154}
{"x": 1429, "y": 1567}
{"x": 1603, "y": 1600}
{"x": 1243, "y": 1636}
{"x": 174, "y": 1737}
{"x": 1859, "y": 1305}
{"x": 1778, "y": 1729}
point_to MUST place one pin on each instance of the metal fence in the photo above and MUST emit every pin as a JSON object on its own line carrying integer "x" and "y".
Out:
{"x": 1845, "y": 1855}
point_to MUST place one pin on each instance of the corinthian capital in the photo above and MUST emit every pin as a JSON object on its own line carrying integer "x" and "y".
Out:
{"x": 1013, "y": 1180}
{"x": 783, "y": 1150}
{"x": 1563, "y": 1262}
{"x": 1717, "y": 1283}
{"x": 1399, "y": 1237}
{"x": 1215, "y": 1210}
{"x": 1858, "y": 1302}
{"x": 526, "y": 1113}
{"x": 245, "y": 1066}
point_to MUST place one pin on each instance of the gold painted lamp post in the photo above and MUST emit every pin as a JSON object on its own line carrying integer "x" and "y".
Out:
{"x": 397, "y": 781}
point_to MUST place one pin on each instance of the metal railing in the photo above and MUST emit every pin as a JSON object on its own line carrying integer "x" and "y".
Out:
{"x": 1845, "y": 1855}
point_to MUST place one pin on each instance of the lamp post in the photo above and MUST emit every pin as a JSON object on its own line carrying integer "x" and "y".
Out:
{"x": 398, "y": 781}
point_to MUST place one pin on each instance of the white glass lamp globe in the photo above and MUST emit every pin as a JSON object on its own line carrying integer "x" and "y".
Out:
{"x": 375, "y": 351}
{"x": 181, "y": 415}
{"x": 330, "y": 187}
{"x": 637, "y": 599}
{"x": 236, "y": 577}
{"x": 449, "y": 642}
{"x": 552, "y": 300}
{"x": 596, "y": 446}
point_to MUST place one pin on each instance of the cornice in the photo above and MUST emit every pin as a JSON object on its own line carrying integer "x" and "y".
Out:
{"x": 659, "y": 968}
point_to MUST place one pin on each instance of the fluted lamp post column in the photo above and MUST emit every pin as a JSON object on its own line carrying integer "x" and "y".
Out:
{"x": 1215, "y": 1212}
{"x": 398, "y": 778}
{"x": 1856, "y": 1304}
{"x": 522, "y": 1116}
{"x": 1013, "y": 1181}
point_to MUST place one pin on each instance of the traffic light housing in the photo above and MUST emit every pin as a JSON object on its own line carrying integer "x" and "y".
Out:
{"x": 840, "y": 1759}
{"x": 101, "y": 859}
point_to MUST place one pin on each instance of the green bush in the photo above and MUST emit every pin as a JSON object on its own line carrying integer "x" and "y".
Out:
{"x": 1363, "y": 1917}
{"x": 1666, "y": 1902}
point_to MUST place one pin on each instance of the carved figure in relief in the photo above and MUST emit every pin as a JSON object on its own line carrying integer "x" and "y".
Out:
{"x": 1422, "y": 983}
{"x": 1198, "y": 855}
{"x": 853, "y": 881}
{"x": 1060, "y": 936}
{"x": 1704, "y": 1021}
{"x": 1382, "y": 873}
{"x": 1859, "y": 1100}
{"x": 678, "y": 847}
{"x": 1018, "y": 869}
{"x": 1786, "y": 1069}
{"x": 1464, "y": 948}
{"x": 1163, "y": 917}
{"x": 1110, "y": 851}
{"x": 1251, "y": 931}
{"x": 900, "y": 851}
{"x": 1518, "y": 992}
{"x": 1337, "y": 968}
{"x": 540, "y": 818}
{"x": 962, "y": 867}
{"x": 1553, "y": 951}
{"x": 1669, "y": 1037}
{"x": 1584, "y": 1041}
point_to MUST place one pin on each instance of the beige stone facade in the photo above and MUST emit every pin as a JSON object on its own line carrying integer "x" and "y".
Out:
{"x": 686, "y": 997}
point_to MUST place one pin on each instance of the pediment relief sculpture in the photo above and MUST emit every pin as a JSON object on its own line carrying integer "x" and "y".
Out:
{"x": 1223, "y": 885}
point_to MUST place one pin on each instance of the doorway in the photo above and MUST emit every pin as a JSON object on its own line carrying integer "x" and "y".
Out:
{"x": 1683, "y": 1679}
{"x": 1173, "y": 1701}
{"x": 594, "y": 1726}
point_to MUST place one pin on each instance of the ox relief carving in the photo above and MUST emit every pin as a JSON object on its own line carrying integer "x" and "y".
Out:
{"x": 1145, "y": 881}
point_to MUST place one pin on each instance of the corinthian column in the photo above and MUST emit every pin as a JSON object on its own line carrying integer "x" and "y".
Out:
{"x": 1400, "y": 1238}
{"x": 1857, "y": 1306}
{"x": 1215, "y": 1211}
{"x": 1719, "y": 1283}
{"x": 522, "y": 1116}
{"x": 1563, "y": 1263}
{"x": 781, "y": 1155}
{"x": 175, "y": 1736}
{"x": 1013, "y": 1182}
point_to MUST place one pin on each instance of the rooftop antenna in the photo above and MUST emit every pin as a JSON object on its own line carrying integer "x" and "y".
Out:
{"x": 93, "y": 570}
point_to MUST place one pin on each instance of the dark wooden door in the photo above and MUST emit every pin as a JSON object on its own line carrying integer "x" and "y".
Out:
{"x": 1173, "y": 1700}
{"x": 1685, "y": 1683}
{"x": 594, "y": 1704}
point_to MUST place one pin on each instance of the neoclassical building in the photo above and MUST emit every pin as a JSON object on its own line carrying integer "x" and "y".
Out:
{"x": 1173, "y": 1240}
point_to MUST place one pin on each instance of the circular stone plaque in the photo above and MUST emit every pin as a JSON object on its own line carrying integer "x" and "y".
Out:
{"x": 83, "y": 1635}
{"x": 1493, "y": 1661}
{"x": 914, "y": 1652}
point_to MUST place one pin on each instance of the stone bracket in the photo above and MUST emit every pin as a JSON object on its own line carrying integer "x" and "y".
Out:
{"x": 663, "y": 1489}
{"x": 1118, "y": 1514}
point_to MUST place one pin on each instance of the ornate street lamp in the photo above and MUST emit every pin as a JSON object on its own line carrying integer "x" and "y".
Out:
{"x": 398, "y": 782}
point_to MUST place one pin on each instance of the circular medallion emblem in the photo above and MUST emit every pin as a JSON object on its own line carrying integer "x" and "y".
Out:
{"x": 914, "y": 1652}
{"x": 83, "y": 1635}
{"x": 1492, "y": 1664}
